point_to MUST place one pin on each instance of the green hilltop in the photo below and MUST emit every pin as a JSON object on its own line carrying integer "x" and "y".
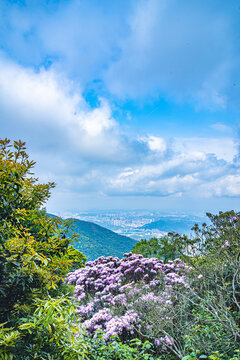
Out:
{"x": 96, "y": 241}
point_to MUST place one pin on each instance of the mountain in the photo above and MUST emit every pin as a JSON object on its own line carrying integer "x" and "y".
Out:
{"x": 167, "y": 224}
{"x": 96, "y": 241}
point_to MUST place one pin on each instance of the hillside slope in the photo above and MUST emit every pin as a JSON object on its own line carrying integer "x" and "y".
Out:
{"x": 169, "y": 224}
{"x": 96, "y": 241}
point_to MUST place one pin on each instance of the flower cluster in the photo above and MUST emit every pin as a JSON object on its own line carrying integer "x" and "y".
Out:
{"x": 114, "y": 294}
{"x": 164, "y": 342}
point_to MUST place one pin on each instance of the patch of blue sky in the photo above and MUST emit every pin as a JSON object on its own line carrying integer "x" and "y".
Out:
{"x": 168, "y": 118}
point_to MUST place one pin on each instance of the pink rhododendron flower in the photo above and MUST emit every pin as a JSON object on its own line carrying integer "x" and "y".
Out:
{"x": 114, "y": 293}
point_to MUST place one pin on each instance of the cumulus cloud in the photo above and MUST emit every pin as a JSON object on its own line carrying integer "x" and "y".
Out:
{"x": 184, "y": 171}
{"x": 74, "y": 145}
{"x": 225, "y": 185}
{"x": 47, "y": 107}
{"x": 155, "y": 143}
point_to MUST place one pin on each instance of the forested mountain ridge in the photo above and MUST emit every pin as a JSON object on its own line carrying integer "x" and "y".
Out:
{"x": 95, "y": 240}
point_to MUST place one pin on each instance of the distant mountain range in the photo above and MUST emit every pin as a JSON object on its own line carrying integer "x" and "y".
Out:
{"x": 180, "y": 225}
{"x": 96, "y": 241}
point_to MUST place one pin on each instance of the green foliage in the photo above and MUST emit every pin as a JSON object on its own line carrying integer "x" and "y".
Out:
{"x": 52, "y": 332}
{"x": 8, "y": 338}
{"x": 208, "y": 335}
{"x": 116, "y": 350}
{"x": 34, "y": 251}
{"x": 219, "y": 292}
{"x": 77, "y": 258}
{"x": 163, "y": 248}
{"x": 215, "y": 355}
{"x": 214, "y": 295}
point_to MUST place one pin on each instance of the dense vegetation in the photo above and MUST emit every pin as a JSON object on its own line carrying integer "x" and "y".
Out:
{"x": 188, "y": 308}
{"x": 175, "y": 298}
{"x": 164, "y": 248}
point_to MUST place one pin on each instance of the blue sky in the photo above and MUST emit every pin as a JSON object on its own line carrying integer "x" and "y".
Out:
{"x": 126, "y": 104}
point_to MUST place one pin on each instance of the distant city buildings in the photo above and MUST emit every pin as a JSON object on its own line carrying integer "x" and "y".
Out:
{"x": 131, "y": 223}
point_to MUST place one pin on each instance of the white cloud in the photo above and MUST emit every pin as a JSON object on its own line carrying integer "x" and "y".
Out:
{"x": 221, "y": 128}
{"x": 40, "y": 95}
{"x": 98, "y": 120}
{"x": 84, "y": 150}
{"x": 192, "y": 166}
{"x": 224, "y": 148}
{"x": 144, "y": 182}
{"x": 155, "y": 143}
{"x": 48, "y": 102}
{"x": 226, "y": 185}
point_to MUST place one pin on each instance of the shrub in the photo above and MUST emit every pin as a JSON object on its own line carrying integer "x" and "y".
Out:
{"x": 184, "y": 310}
{"x": 163, "y": 248}
{"x": 215, "y": 285}
{"x": 132, "y": 297}
{"x": 52, "y": 332}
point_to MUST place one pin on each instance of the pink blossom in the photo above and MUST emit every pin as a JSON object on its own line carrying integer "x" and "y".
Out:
{"x": 226, "y": 244}
{"x": 107, "y": 289}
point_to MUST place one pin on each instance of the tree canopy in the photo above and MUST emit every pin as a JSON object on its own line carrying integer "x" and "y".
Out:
{"x": 35, "y": 253}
